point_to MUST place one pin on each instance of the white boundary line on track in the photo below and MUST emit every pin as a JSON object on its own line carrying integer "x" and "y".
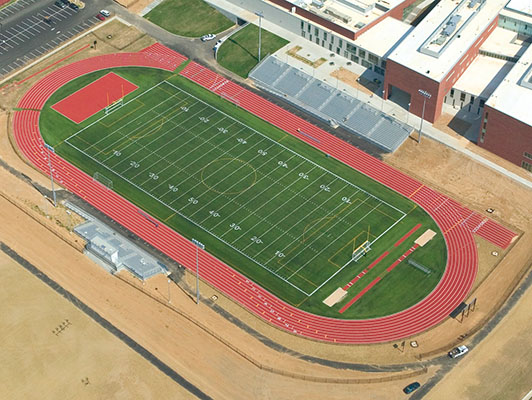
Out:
{"x": 369, "y": 195}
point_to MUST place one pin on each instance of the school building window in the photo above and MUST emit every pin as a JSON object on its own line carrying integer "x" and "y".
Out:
{"x": 527, "y": 166}
{"x": 373, "y": 59}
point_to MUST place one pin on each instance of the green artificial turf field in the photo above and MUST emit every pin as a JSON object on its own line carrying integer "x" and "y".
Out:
{"x": 274, "y": 208}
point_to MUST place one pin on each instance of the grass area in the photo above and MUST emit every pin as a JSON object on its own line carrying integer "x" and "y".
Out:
{"x": 191, "y": 18}
{"x": 271, "y": 206}
{"x": 240, "y": 52}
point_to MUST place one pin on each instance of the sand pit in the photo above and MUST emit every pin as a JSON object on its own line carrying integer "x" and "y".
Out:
{"x": 335, "y": 297}
{"x": 425, "y": 238}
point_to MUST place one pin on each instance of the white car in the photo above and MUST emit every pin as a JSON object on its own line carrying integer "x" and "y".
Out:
{"x": 206, "y": 38}
{"x": 458, "y": 351}
{"x": 105, "y": 13}
{"x": 217, "y": 45}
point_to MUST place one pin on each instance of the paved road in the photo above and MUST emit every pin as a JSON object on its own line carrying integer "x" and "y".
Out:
{"x": 25, "y": 35}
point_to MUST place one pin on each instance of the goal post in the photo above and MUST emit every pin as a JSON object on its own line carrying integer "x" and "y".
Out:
{"x": 105, "y": 181}
{"x": 361, "y": 251}
{"x": 114, "y": 106}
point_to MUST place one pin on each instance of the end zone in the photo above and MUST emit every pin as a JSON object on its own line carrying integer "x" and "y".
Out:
{"x": 94, "y": 97}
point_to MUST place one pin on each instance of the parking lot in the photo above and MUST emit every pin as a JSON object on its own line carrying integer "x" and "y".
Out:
{"x": 30, "y": 28}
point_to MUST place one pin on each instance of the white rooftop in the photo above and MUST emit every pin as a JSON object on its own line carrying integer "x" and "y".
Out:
{"x": 483, "y": 76}
{"x": 437, "y": 67}
{"x": 502, "y": 41}
{"x": 513, "y": 97}
{"x": 382, "y": 38}
{"x": 522, "y": 6}
{"x": 351, "y": 14}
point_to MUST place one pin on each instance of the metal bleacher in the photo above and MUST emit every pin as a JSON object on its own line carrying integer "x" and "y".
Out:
{"x": 329, "y": 104}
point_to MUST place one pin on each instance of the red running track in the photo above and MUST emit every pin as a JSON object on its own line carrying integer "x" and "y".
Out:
{"x": 462, "y": 256}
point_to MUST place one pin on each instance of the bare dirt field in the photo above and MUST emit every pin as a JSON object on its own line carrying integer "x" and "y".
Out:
{"x": 499, "y": 368}
{"x": 196, "y": 341}
{"x": 52, "y": 350}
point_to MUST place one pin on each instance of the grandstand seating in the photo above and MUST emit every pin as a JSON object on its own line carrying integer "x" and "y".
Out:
{"x": 328, "y": 103}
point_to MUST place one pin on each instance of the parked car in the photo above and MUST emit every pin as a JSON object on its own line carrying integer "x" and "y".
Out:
{"x": 60, "y": 4}
{"x": 65, "y": 2}
{"x": 74, "y": 6}
{"x": 217, "y": 45}
{"x": 100, "y": 17}
{"x": 458, "y": 351}
{"x": 105, "y": 13}
{"x": 410, "y": 388}
{"x": 206, "y": 38}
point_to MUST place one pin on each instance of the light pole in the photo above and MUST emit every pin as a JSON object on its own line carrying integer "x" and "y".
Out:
{"x": 382, "y": 100}
{"x": 260, "y": 15}
{"x": 198, "y": 245}
{"x": 426, "y": 95}
{"x": 408, "y": 113}
{"x": 169, "y": 299}
{"x": 50, "y": 148}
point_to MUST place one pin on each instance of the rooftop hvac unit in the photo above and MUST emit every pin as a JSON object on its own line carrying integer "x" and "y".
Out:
{"x": 337, "y": 14}
{"x": 451, "y": 25}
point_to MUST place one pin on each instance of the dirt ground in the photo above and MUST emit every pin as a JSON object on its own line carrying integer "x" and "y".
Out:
{"x": 499, "y": 368}
{"x": 82, "y": 361}
{"x": 135, "y": 6}
{"x": 187, "y": 337}
{"x": 356, "y": 81}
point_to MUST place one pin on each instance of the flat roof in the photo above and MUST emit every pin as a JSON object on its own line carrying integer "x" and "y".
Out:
{"x": 526, "y": 18}
{"x": 521, "y": 6}
{"x": 409, "y": 53}
{"x": 514, "y": 96}
{"x": 351, "y": 14}
{"x": 382, "y": 38}
{"x": 501, "y": 41}
{"x": 483, "y": 76}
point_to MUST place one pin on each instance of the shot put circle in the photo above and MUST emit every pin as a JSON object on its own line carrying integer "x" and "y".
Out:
{"x": 228, "y": 176}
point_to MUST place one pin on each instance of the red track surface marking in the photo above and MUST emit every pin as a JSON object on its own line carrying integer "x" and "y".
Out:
{"x": 356, "y": 278}
{"x": 400, "y": 259}
{"x": 94, "y": 97}
{"x": 462, "y": 252}
{"x": 358, "y": 296}
{"x": 415, "y": 228}
{"x": 53, "y": 64}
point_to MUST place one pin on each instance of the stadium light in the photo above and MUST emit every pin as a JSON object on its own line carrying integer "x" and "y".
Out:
{"x": 260, "y": 15}
{"x": 408, "y": 113}
{"x": 426, "y": 95}
{"x": 51, "y": 149}
{"x": 198, "y": 245}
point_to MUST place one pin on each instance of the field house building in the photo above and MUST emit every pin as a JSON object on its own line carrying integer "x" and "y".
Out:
{"x": 469, "y": 55}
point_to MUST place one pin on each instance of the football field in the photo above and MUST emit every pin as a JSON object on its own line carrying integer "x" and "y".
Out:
{"x": 283, "y": 212}
{"x": 289, "y": 217}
